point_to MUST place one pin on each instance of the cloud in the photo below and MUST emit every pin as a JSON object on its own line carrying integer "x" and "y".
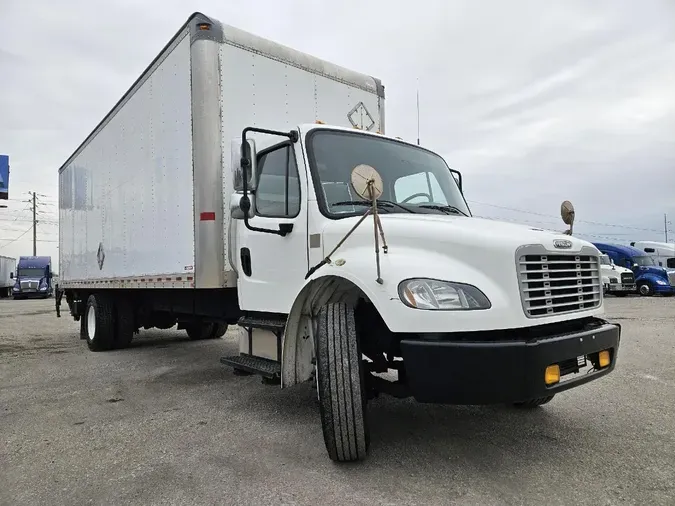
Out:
{"x": 534, "y": 101}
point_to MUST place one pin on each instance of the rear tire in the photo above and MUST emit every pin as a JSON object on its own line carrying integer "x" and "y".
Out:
{"x": 124, "y": 325}
{"x": 534, "y": 403}
{"x": 100, "y": 322}
{"x": 219, "y": 330}
{"x": 341, "y": 383}
{"x": 199, "y": 331}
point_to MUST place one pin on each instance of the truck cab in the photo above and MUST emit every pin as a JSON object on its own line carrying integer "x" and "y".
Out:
{"x": 650, "y": 278}
{"x": 663, "y": 254}
{"x": 33, "y": 278}
{"x": 616, "y": 280}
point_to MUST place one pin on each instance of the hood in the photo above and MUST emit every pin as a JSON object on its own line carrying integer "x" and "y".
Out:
{"x": 616, "y": 269}
{"x": 440, "y": 232}
{"x": 651, "y": 269}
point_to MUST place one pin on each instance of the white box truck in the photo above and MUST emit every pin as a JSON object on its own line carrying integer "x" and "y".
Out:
{"x": 7, "y": 266}
{"x": 215, "y": 192}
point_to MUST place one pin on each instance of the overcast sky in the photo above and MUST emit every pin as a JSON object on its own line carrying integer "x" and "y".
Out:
{"x": 535, "y": 102}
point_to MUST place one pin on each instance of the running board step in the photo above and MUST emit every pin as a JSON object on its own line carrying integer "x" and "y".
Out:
{"x": 255, "y": 365}
{"x": 273, "y": 324}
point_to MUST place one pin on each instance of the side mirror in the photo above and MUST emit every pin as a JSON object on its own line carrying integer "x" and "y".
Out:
{"x": 236, "y": 155}
{"x": 236, "y": 208}
{"x": 458, "y": 178}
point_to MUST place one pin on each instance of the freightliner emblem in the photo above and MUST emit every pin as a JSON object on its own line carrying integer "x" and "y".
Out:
{"x": 562, "y": 244}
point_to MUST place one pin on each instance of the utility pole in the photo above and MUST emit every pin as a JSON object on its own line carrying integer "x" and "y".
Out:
{"x": 34, "y": 226}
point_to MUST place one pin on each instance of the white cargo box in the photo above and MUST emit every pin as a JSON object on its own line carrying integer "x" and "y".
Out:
{"x": 144, "y": 200}
{"x": 7, "y": 270}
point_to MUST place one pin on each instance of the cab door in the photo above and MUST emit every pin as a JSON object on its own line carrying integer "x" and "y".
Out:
{"x": 271, "y": 268}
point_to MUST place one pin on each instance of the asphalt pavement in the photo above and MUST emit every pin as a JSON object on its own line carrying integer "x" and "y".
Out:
{"x": 163, "y": 422}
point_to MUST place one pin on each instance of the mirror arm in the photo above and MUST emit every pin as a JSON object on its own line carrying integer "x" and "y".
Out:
{"x": 245, "y": 202}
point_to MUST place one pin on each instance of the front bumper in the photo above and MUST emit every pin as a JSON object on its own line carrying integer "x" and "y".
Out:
{"x": 621, "y": 287}
{"x": 492, "y": 372}
{"x": 31, "y": 294}
{"x": 667, "y": 289}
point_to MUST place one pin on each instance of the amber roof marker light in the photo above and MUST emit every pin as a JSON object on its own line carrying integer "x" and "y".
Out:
{"x": 204, "y": 26}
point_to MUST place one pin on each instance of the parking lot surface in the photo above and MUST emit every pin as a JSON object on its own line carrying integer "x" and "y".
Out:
{"x": 163, "y": 422}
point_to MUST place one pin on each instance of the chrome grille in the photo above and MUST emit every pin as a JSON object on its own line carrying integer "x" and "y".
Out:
{"x": 553, "y": 283}
{"x": 29, "y": 285}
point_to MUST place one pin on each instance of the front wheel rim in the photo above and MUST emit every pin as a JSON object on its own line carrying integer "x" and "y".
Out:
{"x": 91, "y": 323}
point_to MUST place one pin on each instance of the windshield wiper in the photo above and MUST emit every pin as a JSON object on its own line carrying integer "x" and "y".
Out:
{"x": 380, "y": 203}
{"x": 447, "y": 208}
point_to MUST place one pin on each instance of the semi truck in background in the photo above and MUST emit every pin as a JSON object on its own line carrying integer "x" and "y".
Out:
{"x": 662, "y": 252}
{"x": 241, "y": 182}
{"x": 7, "y": 266}
{"x": 616, "y": 280}
{"x": 650, "y": 278}
{"x": 33, "y": 278}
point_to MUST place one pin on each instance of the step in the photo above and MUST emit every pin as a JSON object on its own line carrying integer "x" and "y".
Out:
{"x": 255, "y": 365}
{"x": 273, "y": 324}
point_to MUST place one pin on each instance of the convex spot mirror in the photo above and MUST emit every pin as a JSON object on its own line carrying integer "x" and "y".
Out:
{"x": 458, "y": 179}
{"x": 367, "y": 182}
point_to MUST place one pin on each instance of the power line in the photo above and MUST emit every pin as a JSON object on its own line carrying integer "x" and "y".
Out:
{"x": 16, "y": 238}
{"x": 552, "y": 216}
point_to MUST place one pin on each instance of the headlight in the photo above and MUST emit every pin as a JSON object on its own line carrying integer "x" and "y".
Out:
{"x": 444, "y": 295}
{"x": 661, "y": 282}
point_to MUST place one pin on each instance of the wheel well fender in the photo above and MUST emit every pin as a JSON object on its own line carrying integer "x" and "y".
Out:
{"x": 298, "y": 344}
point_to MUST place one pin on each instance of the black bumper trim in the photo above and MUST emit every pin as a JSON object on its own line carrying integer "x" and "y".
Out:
{"x": 492, "y": 372}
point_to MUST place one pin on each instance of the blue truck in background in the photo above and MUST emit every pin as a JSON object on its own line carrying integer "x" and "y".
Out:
{"x": 33, "y": 278}
{"x": 650, "y": 278}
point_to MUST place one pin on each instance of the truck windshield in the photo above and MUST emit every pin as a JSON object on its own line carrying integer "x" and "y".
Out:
{"x": 604, "y": 260}
{"x": 416, "y": 180}
{"x": 644, "y": 261}
{"x": 30, "y": 272}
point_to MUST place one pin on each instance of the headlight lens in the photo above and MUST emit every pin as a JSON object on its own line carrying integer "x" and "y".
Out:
{"x": 422, "y": 293}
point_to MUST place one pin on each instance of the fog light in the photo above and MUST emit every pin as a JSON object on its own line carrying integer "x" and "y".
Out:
{"x": 603, "y": 358}
{"x": 552, "y": 374}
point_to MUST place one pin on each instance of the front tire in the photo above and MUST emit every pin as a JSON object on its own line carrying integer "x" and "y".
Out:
{"x": 341, "y": 383}
{"x": 100, "y": 322}
{"x": 645, "y": 289}
{"x": 534, "y": 403}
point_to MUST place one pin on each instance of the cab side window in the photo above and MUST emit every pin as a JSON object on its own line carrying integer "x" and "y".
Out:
{"x": 670, "y": 263}
{"x": 278, "y": 192}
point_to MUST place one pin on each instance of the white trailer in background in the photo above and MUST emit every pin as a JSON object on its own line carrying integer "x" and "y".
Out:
{"x": 215, "y": 192}
{"x": 7, "y": 269}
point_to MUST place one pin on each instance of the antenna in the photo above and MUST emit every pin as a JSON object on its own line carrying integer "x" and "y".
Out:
{"x": 418, "y": 111}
